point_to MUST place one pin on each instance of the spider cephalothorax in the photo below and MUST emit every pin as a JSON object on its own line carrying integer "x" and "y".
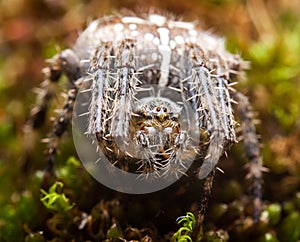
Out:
{"x": 157, "y": 131}
{"x": 116, "y": 58}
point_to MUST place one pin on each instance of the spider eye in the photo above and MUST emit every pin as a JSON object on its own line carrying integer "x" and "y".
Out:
{"x": 147, "y": 116}
{"x": 157, "y": 109}
{"x": 165, "y": 109}
{"x": 174, "y": 117}
{"x": 144, "y": 115}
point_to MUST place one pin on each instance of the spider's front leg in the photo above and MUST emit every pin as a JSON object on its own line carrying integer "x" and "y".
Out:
{"x": 252, "y": 149}
{"x": 207, "y": 191}
{"x": 207, "y": 89}
{"x": 113, "y": 89}
{"x": 208, "y": 96}
{"x": 64, "y": 63}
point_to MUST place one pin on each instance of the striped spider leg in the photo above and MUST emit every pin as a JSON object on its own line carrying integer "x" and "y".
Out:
{"x": 112, "y": 93}
{"x": 65, "y": 63}
{"x": 209, "y": 90}
{"x": 251, "y": 145}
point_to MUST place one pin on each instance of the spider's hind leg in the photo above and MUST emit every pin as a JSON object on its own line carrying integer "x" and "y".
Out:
{"x": 66, "y": 63}
{"x": 59, "y": 127}
{"x": 252, "y": 149}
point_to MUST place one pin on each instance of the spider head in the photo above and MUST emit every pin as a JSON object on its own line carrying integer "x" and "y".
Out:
{"x": 158, "y": 110}
{"x": 156, "y": 123}
{"x": 161, "y": 136}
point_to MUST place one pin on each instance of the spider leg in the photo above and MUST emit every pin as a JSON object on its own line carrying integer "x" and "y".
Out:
{"x": 113, "y": 90}
{"x": 100, "y": 108}
{"x": 207, "y": 190}
{"x": 66, "y": 63}
{"x": 38, "y": 113}
{"x": 59, "y": 127}
{"x": 125, "y": 88}
{"x": 251, "y": 145}
{"x": 212, "y": 117}
{"x": 207, "y": 93}
{"x": 207, "y": 90}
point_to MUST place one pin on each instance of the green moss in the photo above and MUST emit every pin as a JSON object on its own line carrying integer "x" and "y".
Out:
{"x": 35, "y": 237}
{"x": 54, "y": 200}
{"x": 274, "y": 213}
{"x": 184, "y": 233}
{"x": 114, "y": 232}
{"x": 289, "y": 230}
{"x": 269, "y": 237}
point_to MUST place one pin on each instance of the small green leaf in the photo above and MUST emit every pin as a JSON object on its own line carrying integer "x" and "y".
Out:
{"x": 114, "y": 232}
{"x": 56, "y": 201}
{"x": 188, "y": 222}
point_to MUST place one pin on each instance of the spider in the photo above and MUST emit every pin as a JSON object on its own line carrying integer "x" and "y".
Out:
{"x": 133, "y": 67}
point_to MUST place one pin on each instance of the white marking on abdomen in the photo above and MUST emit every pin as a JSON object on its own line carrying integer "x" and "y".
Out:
{"x": 157, "y": 19}
{"x": 165, "y": 51}
{"x": 133, "y": 20}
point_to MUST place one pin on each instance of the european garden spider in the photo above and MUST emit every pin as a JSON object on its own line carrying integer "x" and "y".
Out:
{"x": 118, "y": 57}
